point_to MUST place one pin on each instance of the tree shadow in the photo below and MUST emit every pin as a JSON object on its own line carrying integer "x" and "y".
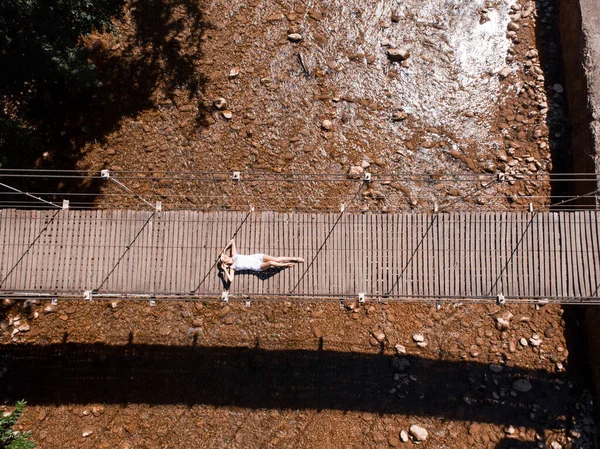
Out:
{"x": 151, "y": 62}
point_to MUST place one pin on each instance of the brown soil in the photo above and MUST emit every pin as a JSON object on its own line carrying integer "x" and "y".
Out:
{"x": 296, "y": 374}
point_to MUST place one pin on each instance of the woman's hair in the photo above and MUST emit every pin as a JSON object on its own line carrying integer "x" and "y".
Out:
{"x": 221, "y": 263}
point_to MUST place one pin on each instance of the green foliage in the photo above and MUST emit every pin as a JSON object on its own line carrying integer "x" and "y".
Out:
{"x": 10, "y": 439}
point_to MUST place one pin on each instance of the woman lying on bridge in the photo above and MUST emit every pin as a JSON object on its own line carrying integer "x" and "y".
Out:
{"x": 253, "y": 262}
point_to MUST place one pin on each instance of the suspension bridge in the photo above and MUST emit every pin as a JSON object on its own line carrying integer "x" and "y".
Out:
{"x": 504, "y": 256}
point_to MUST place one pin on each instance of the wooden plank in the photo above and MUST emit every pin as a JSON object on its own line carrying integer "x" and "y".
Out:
{"x": 113, "y": 280}
{"x": 581, "y": 274}
{"x": 188, "y": 253}
{"x": 388, "y": 249}
{"x": 195, "y": 250}
{"x": 4, "y": 232}
{"x": 5, "y": 225}
{"x": 571, "y": 229}
{"x": 593, "y": 252}
{"x": 546, "y": 256}
{"x": 438, "y": 256}
{"x": 514, "y": 256}
{"x": 477, "y": 257}
{"x": 350, "y": 260}
{"x": 566, "y": 290}
{"x": 138, "y": 272}
{"x": 95, "y": 249}
{"x": 21, "y": 242}
{"x": 541, "y": 255}
{"x": 444, "y": 257}
{"x": 138, "y": 226}
{"x": 586, "y": 263}
{"x": 124, "y": 240}
{"x": 596, "y": 250}
{"x": 39, "y": 249}
{"x": 527, "y": 252}
{"x": 560, "y": 269}
{"x": 486, "y": 254}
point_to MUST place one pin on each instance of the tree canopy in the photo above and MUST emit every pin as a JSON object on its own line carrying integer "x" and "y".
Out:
{"x": 45, "y": 67}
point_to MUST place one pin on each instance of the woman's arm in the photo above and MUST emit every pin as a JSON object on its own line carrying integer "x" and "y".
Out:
{"x": 233, "y": 248}
{"x": 229, "y": 272}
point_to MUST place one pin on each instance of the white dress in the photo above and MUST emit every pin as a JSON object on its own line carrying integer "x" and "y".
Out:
{"x": 251, "y": 262}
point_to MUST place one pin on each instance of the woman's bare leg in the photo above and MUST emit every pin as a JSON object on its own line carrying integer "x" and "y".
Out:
{"x": 268, "y": 258}
{"x": 273, "y": 264}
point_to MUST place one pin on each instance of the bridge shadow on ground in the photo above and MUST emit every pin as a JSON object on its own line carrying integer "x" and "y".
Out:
{"x": 282, "y": 379}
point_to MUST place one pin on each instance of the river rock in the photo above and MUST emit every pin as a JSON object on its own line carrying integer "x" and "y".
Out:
{"x": 503, "y": 321}
{"x": 400, "y": 349}
{"x": 535, "y": 340}
{"x": 295, "y": 37}
{"x": 356, "y": 171}
{"x": 503, "y": 73}
{"x": 418, "y": 338}
{"x": 418, "y": 433}
{"x": 495, "y": 368}
{"x": 379, "y": 335}
{"x": 398, "y": 54}
{"x": 220, "y": 103}
{"x": 327, "y": 125}
{"x": 404, "y": 436}
{"x": 522, "y": 385}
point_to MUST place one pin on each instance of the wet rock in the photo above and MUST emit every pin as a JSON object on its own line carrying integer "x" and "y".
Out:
{"x": 398, "y": 54}
{"x": 404, "y": 436}
{"x": 295, "y": 37}
{"x": 418, "y": 433}
{"x": 327, "y": 125}
{"x": 522, "y": 385}
{"x": 220, "y": 103}
{"x": 503, "y": 73}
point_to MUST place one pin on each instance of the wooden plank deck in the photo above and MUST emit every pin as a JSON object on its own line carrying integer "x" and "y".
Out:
{"x": 448, "y": 256}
